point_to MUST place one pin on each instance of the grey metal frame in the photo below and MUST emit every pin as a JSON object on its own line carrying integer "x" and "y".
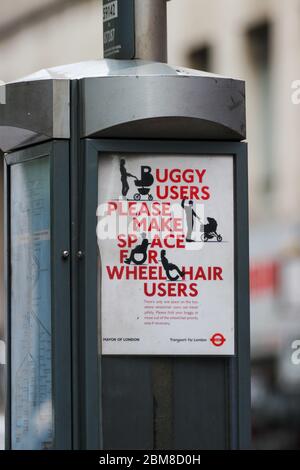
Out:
{"x": 231, "y": 373}
{"x": 85, "y": 339}
{"x": 158, "y": 384}
{"x": 58, "y": 151}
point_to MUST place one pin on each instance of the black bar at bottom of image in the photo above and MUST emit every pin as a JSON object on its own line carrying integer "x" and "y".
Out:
{"x": 133, "y": 459}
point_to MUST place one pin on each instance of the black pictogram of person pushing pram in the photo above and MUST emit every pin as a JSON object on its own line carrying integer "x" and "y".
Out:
{"x": 144, "y": 184}
{"x": 210, "y": 231}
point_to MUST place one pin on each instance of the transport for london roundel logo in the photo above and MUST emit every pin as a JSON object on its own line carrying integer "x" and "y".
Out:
{"x": 218, "y": 339}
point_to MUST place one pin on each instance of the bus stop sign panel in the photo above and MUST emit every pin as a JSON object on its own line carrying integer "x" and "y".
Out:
{"x": 118, "y": 29}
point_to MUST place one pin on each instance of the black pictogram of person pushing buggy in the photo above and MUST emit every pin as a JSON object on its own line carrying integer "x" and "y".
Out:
{"x": 143, "y": 184}
{"x": 208, "y": 231}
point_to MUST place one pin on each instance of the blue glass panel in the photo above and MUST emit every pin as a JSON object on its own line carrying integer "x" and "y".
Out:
{"x": 31, "y": 378}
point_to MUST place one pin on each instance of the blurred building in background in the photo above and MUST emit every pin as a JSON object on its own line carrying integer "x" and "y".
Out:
{"x": 257, "y": 40}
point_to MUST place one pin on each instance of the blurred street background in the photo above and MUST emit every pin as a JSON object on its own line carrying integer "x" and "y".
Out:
{"x": 256, "y": 40}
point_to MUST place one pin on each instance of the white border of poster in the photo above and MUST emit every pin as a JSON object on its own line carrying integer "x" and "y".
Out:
{"x": 165, "y": 230}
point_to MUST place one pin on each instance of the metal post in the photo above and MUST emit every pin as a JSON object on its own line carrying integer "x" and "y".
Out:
{"x": 151, "y": 30}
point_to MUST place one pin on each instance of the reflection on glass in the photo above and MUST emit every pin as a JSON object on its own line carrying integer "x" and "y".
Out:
{"x": 2, "y": 387}
{"x": 2, "y": 333}
{"x": 31, "y": 379}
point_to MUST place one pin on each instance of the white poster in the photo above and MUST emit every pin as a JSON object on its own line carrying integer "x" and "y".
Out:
{"x": 166, "y": 254}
